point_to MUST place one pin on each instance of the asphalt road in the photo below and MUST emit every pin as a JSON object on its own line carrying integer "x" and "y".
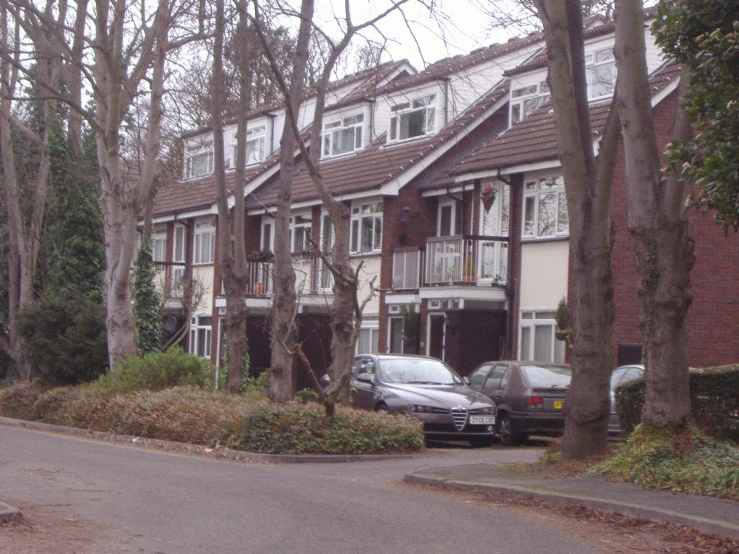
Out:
{"x": 151, "y": 501}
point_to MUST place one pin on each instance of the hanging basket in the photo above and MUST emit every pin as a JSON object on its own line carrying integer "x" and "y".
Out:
{"x": 487, "y": 201}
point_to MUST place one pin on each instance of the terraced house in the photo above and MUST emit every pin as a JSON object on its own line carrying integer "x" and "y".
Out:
{"x": 458, "y": 210}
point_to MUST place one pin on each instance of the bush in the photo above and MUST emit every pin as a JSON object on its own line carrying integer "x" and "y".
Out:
{"x": 64, "y": 339}
{"x": 683, "y": 462}
{"x": 714, "y": 397}
{"x": 18, "y": 400}
{"x": 305, "y": 429}
{"x": 306, "y": 395}
{"x": 159, "y": 371}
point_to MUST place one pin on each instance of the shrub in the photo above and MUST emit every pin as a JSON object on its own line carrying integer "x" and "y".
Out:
{"x": 18, "y": 400}
{"x": 684, "y": 462}
{"x": 714, "y": 397}
{"x": 306, "y": 395}
{"x": 305, "y": 429}
{"x": 64, "y": 339}
{"x": 160, "y": 371}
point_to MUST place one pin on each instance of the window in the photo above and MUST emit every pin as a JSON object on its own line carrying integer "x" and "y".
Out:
{"x": 343, "y": 136}
{"x": 545, "y": 208}
{"x": 327, "y": 245}
{"x": 205, "y": 244}
{"x": 255, "y": 142}
{"x": 367, "y": 342}
{"x": 537, "y": 340}
{"x": 199, "y": 165}
{"x": 300, "y": 232}
{"x": 267, "y": 236}
{"x": 396, "y": 335}
{"x": 600, "y": 71}
{"x": 201, "y": 333}
{"x": 366, "y": 228}
{"x": 180, "y": 244}
{"x": 159, "y": 247}
{"x": 413, "y": 119}
{"x": 526, "y": 99}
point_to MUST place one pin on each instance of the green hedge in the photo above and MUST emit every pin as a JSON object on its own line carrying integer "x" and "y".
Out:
{"x": 714, "y": 397}
{"x": 305, "y": 429}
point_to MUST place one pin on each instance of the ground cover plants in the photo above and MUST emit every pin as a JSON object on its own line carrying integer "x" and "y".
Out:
{"x": 685, "y": 461}
{"x": 171, "y": 397}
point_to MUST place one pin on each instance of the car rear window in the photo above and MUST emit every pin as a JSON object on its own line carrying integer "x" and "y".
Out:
{"x": 546, "y": 377}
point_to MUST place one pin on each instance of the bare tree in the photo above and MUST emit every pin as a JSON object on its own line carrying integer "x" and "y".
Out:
{"x": 588, "y": 185}
{"x": 659, "y": 227}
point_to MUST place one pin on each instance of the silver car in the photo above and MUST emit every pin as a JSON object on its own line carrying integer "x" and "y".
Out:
{"x": 425, "y": 388}
{"x": 621, "y": 375}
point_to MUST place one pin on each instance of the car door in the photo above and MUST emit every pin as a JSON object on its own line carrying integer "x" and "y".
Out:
{"x": 478, "y": 377}
{"x": 363, "y": 392}
{"x": 495, "y": 384}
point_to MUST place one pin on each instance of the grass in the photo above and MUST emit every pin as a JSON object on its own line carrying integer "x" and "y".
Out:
{"x": 686, "y": 461}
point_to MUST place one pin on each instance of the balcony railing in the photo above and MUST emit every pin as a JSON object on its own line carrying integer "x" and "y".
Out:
{"x": 311, "y": 277}
{"x": 469, "y": 260}
{"x": 260, "y": 278}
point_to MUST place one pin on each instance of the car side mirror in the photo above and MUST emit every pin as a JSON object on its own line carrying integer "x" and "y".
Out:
{"x": 325, "y": 382}
{"x": 466, "y": 380}
{"x": 366, "y": 378}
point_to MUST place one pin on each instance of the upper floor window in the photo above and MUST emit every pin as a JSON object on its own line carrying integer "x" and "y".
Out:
{"x": 199, "y": 164}
{"x": 600, "y": 71}
{"x": 413, "y": 119}
{"x": 159, "y": 247}
{"x": 255, "y": 146}
{"x": 267, "y": 241}
{"x": 342, "y": 136}
{"x": 525, "y": 100}
{"x": 300, "y": 232}
{"x": 366, "y": 228}
{"x": 205, "y": 244}
{"x": 545, "y": 208}
{"x": 180, "y": 244}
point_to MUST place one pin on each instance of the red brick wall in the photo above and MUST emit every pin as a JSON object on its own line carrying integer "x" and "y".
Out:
{"x": 713, "y": 319}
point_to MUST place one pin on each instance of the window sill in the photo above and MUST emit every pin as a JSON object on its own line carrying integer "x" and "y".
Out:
{"x": 372, "y": 254}
{"x": 391, "y": 143}
{"x": 341, "y": 156}
{"x": 530, "y": 240}
{"x": 202, "y": 264}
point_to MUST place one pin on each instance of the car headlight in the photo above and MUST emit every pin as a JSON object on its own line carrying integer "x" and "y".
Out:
{"x": 489, "y": 410}
{"x": 419, "y": 408}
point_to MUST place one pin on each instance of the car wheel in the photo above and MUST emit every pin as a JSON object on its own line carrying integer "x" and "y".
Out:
{"x": 481, "y": 442}
{"x": 382, "y": 409}
{"x": 505, "y": 430}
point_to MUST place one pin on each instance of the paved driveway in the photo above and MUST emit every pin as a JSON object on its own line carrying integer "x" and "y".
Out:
{"x": 148, "y": 501}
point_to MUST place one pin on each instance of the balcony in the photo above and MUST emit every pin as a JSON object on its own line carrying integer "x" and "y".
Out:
{"x": 311, "y": 277}
{"x": 465, "y": 260}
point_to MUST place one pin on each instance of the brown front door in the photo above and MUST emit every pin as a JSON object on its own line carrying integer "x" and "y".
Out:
{"x": 436, "y": 336}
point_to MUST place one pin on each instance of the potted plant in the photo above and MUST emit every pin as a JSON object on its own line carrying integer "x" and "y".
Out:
{"x": 468, "y": 272}
{"x": 262, "y": 255}
{"x": 487, "y": 195}
{"x": 562, "y": 317}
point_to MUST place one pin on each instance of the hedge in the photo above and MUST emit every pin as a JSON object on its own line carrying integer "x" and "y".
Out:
{"x": 714, "y": 397}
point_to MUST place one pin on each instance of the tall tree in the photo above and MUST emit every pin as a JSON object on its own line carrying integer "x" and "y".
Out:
{"x": 658, "y": 225}
{"x": 588, "y": 186}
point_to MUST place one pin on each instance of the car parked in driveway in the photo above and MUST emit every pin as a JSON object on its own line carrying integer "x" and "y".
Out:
{"x": 529, "y": 396}
{"x": 621, "y": 375}
{"x": 427, "y": 389}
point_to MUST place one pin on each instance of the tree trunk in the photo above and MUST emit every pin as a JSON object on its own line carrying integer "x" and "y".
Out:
{"x": 659, "y": 228}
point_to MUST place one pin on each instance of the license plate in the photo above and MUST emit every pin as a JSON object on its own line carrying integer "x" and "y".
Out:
{"x": 482, "y": 420}
{"x": 558, "y": 404}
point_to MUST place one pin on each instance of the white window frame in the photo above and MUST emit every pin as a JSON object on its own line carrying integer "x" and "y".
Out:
{"x": 205, "y": 235}
{"x": 207, "y": 155}
{"x": 525, "y": 100}
{"x": 267, "y": 243}
{"x": 300, "y": 231}
{"x": 179, "y": 250}
{"x": 352, "y": 125}
{"x": 452, "y": 205}
{"x": 370, "y": 329}
{"x": 325, "y": 277}
{"x": 159, "y": 247}
{"x": 404, "y": 111}
{"x": 532, "y": 322}
{"x": 596, "y": 62}
{"x": 256, "y": 146}
{"x": 201, "y": 325}
{"x": 366, "y": 214}
{"x": 535, "y": 191}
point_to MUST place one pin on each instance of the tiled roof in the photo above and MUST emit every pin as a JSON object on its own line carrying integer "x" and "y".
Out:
{"x": 372, "y": 75}
{"x": 535, "y": 138}
{"x": 379, "y": 163}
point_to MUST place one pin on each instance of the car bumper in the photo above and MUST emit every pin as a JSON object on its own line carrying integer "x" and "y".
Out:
{"x": 544, "y": 423}
{"x": 442, "y": 425}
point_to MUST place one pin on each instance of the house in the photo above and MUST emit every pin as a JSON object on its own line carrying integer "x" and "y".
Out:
{"x": 458, "y": 209}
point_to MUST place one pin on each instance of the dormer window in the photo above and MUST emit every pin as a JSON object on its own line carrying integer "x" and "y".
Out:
{"x": 255, "y": 146}
{"x": 525, "y": 100}
{"x": 600, "y": 70}
{"x": 413, "y": 119}
{"x": 199, "y": 165}
{"x": 342, "y": 136}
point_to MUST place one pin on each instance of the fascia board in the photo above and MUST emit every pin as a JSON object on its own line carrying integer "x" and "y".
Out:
{"x": 392, "y": 187}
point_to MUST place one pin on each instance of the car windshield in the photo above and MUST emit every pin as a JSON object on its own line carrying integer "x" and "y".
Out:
{"x": 623, "y": 374}
{"x": 417, "y": 371}
{"x": 547, "y": 376}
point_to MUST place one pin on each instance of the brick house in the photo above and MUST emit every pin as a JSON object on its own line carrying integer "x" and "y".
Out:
{"x": 458, "y": 209}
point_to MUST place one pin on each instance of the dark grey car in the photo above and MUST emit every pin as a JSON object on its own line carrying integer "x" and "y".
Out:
{"x": 425, "y": 388}
{"x": 621, "y": 375}
{"x": 529, "y": 396}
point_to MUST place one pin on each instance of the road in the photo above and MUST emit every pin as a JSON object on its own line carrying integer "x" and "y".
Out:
{"x": 101, "y": 497}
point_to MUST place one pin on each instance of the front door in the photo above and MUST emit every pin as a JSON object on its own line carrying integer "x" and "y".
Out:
{"x": 436, "y": 336}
